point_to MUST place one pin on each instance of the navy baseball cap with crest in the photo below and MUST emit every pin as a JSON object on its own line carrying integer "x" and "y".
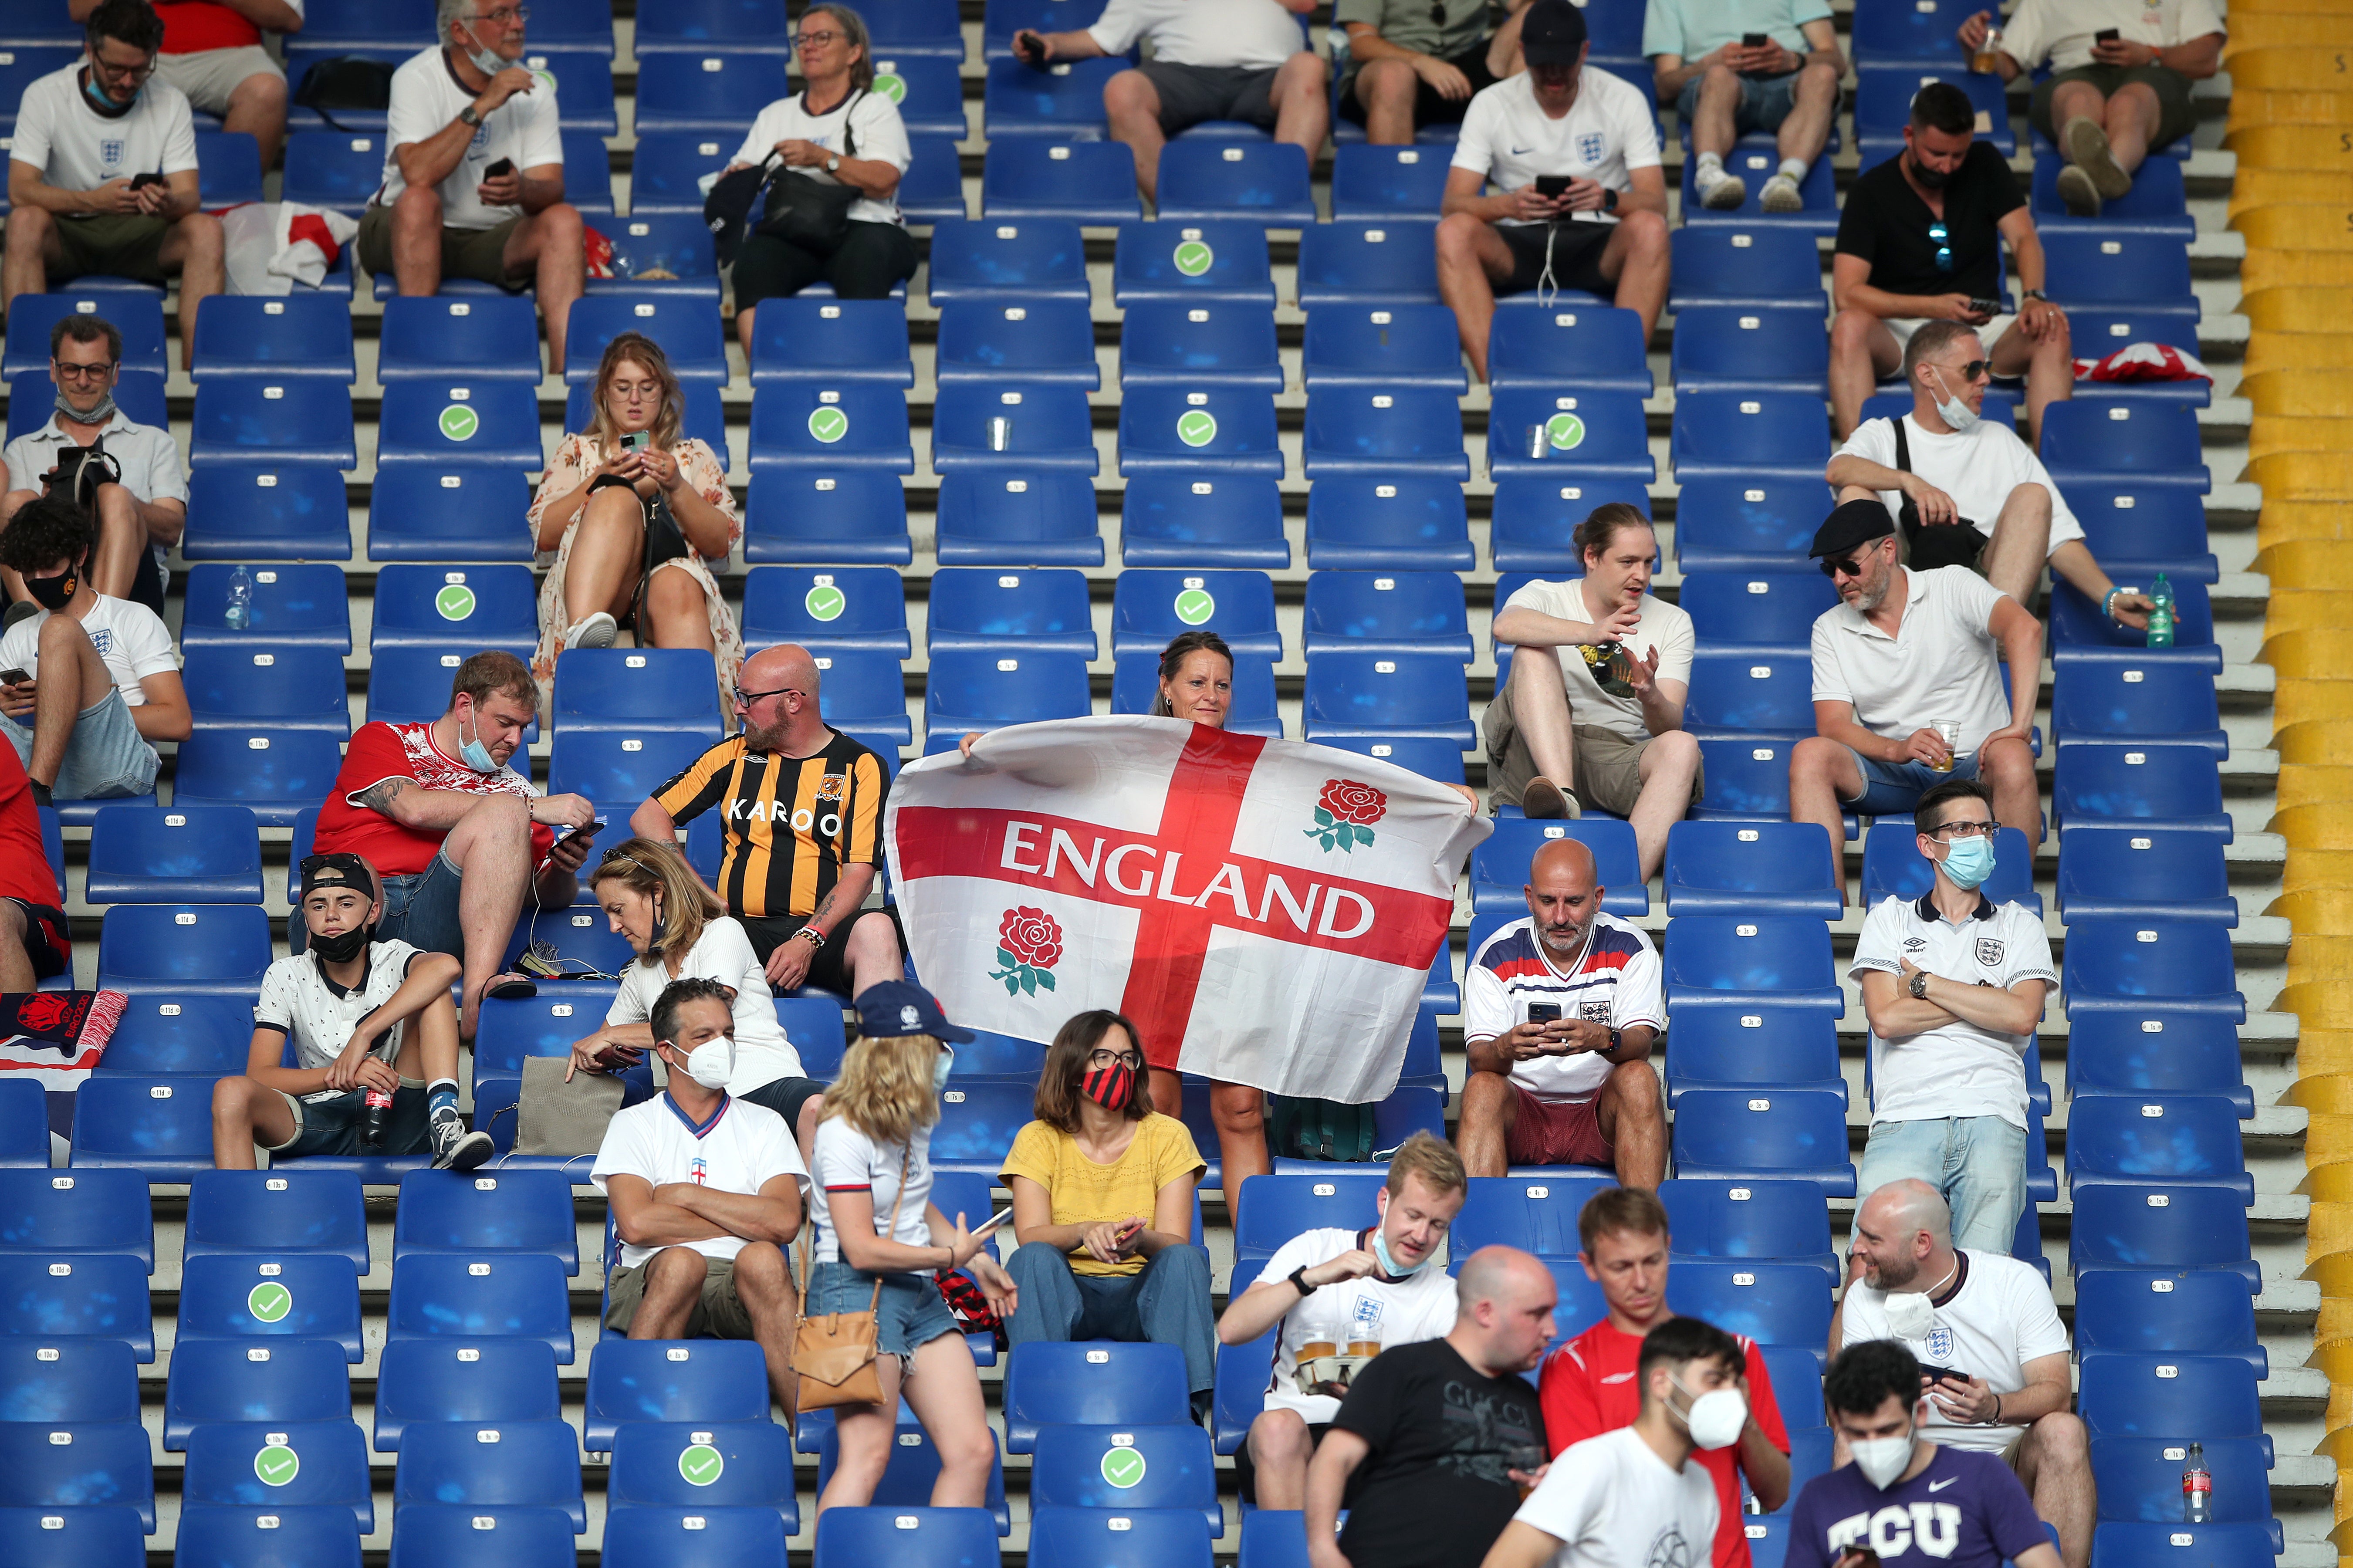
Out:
{"x": 892, "y": 1008}
{"x": 1552, "y": 33}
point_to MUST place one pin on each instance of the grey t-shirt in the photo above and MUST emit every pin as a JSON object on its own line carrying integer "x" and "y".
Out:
{"x": 1408, "y": 23}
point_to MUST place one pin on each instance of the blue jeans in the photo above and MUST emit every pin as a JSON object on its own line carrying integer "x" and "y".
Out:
{"x": 421, "y": 909}
{"x": 1167, "y": 1302}
{"x": 1765, "y": 101}
{"x": 1890, "y": 789}
{"x": 1977, "y": 1162}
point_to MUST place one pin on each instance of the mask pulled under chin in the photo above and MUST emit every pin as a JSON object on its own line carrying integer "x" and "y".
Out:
{"x": 1955, "y": 412}
{"x": 54, "y": 593}
{"x": 476, "y": 755}
{"x": 1930, "y": 179}
{"x": 343, "y": 946}
{"x": 1909, "y": 1315}
{"x": 1387, "y": 1260}
{"x": 98, "y": 416}
{"x": 1882, "y": 1460}
{"x": 100, "y": 104}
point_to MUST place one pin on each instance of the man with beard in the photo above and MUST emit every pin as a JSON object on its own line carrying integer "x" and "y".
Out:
{"x": 1920, "y": 240}
{"x": 1903, "y": 653}
{"x": 1559, "y": 1013}
{"x": 801, "y": 806}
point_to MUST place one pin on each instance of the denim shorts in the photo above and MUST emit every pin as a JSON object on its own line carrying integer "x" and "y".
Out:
{"x": 1891, "y": 789}
{"x": 333, "y": 1126}
{"x": 1765, "y": 101}
{"x": 421, "y": 909}
{"x": 106, "y": 759}
{"x": 910, "y": 1315}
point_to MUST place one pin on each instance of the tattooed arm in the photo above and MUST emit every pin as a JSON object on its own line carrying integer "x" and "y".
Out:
{"x": 412, "y": 806}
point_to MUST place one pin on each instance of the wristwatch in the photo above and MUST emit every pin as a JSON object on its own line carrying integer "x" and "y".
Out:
{"x": 1609, "y": 200}
{"x": 470, "y": 115}
{"x": 1920, "y": 985}
{"x": 1616, "y": 1039}
{"x": 1299, "y": 1282}
{"x": 833, "y": 165}
{"x": 2035, "y": 294}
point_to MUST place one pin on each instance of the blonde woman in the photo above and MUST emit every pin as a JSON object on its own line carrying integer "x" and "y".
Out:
{"x": 877, "y": 1227}
{"x": 606, "y": 487}
{"x": 651, "y": 896}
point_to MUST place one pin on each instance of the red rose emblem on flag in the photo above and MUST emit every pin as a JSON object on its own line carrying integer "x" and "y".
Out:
{"x": 1345, "y": 813}
{"x": 1029, "y": 945}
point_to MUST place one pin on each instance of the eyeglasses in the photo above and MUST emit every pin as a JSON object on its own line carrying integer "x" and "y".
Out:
{"x": 1102, "y": 1057}
{"x": 746, "y": 698}
{"x": 97, "y": 372}
{"x": 807, "y": 41}
{"x": 1942, "y": 238}
{"x": 137, "y": 73}
{"x": 505, "y": 15}
{"x": 1948, "y": 831}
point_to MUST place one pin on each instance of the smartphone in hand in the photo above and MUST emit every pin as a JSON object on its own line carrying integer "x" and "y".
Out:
{"x": 2106, "y": 36}
{"x": 637, "y": 440}
{"x": 500, "y": 170}
{"x": 1754, "y": 40}
{"x": 1552, "y": 187}
{"x": 13, "y": 677}
{"x": 1985, "y": 306}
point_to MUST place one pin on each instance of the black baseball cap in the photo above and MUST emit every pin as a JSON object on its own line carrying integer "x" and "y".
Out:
{"x": 890, "y": 1008}
{"x": 1855, "y": 523}
{"x": 1552, "y": 33}
{"x": 335, "y": 871}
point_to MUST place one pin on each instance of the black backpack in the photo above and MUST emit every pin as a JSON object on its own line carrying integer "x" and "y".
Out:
{"x": 1957, "y": 543}
{"x": 345, "y": 82}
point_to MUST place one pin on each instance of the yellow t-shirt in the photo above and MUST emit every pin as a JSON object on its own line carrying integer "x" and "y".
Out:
{"x": 1086, "y": 1193}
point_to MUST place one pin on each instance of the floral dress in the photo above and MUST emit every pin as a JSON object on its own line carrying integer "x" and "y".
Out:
{"x": 576, "y": 459}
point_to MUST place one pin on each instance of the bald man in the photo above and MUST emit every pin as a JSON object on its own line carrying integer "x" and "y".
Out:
{"x": 1992, "y": 1353}
{"x": 1559, "y": 1013}
{"x": 1434, "y": 1441}
{"x": 800, "y": 804}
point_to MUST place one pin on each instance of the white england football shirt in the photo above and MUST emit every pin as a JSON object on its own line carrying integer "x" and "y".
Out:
{"x": 741, "y": 1149}
{"x": 1608, "y": 134}
{"x": 427, "y": 96}
{"x": 1420, "y": 1307}
{"x": 1999, "y": 1318}
{"x": 1957, "y": 1070}
{"x": 1614, "y": 981}
{"x": 78, "y": 149}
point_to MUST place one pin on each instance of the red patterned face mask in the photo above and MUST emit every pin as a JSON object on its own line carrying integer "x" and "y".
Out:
{"x": 1110, "y": 1087}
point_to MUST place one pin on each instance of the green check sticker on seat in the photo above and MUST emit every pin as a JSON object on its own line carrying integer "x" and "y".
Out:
{"x": 458, "y": 422}
{"x": 700, "y": 1464}
{"x": 825, "y": 602}
{"x": 827, "y": 424}
{"x": 1195, "y": 257}
{"x": 455, "y": 601}
{"x": 1194, "y": 606}
{"x": 1196, "y": 428}
{"x": 269, "y": 1302}
{"x": 1565, "y": 431}
{"x": 891, "y": 85}
{"x": 276, "y": 1465}
{"x": 1123, "y": 1468}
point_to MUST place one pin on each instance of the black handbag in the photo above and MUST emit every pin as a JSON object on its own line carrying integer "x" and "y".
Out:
{"x": 810, "y": 214}
{"x": 345, "y": 81}
{"x": 727, "y": 209}
{"x": 1957, "y": 543}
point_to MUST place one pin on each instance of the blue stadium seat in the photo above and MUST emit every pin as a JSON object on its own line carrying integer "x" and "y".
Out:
{"x": 2143, "y": 530}
{"x": 2080, "y": 634}
{"x": 1217, "y": 431}
{"x": 864, "y": 692}
{"x": 1007, "y": 263}
{"x": 2201, "y": 1312}
{"x": 1893, "y": 866}
{"x": 1277, "y": 1208}
{"x": 2145, "y": 273}
{"x": 1747, "y": 522}
{"x": 2119, "y": 1543}
{"x": 1373, "y": 522}
{"x": 1099, "y": 1383}
{"x": 1136, "y": 686}
{"x": 968, "y": 691}
{"x": 1375, "y": 184}
{"x": 1118, "y": 1537}
{"x": 975, "y": 610}
{"x": 1767, "y": 1221}
{"x": 1050, "y": 429}
{"x": 587, "y": 165}
{"x": 620, "y": 769}
{"x": 298, "y": 512}
{"x": 1074, "y": 1468}
{"x": 160, "y": 1126}
{"x": 1772, "y": 1303}
{"x": 585, "y": 943}
{"x": 906, "y": 1538}
{"x": 1759, "y": 263}
{"x": 72, "y": 1537}
{"x": 1355, "y": 431}
{"x": 1207, "y": 179}
{"x": 446, "y": 423}
{"x": 1003, "y": 18}
{"x": 1402, "y": 612}
{"x": 1532, "y": 521}
{"x": 846, "y": 515}
{"x": 1274, "y": 1537}
{"x": 1079, "y": 182}
{"x": 91, "y": 1296}
{"x": 144, "y": 854}
{"x": 1882, "y": 105}
{"x": 655, "y": 1465}
{"x": 1738, "y": 347}
{"x": 2122, "y": 874}
{"x": 220, "y": 949}
{"x": 1191, "y": 263}
{"x": 211, "y": 1535}
{"x": 698, "y": 26}
{"x": 708, "y": 90}
{"x": 667, "y": 166}
{"x": 919, "y": 27}
{"x": 836, "y": 609}
{"x": 1197, "y": 344}
{"x": 478, "y": 338}
{"x": 258, "y": 419}
{"x": 2140, "y": 1479}
{"x": 83, "y": 1380}
{"x": 913, "y": 1471}
{"x": 2156, "y": 205}
{"x": 1793, "y": 1134}
{"x": 2101, "y": 330}
{"x": 988, "y": 1056}
{"x": 1774, "y": 1048}
{"x": 2160, "y": 1228}
{"x": 2154, "y": 1051}
{"x": 986, "y": 517}
{"x": 284, "y": 688}
{"x": 1729, "y": 961}
{"x": 514, "y": 1464}
{"x": 2106, "y": 439}
{"x": 301, "y": 335}
{"x": 703, "y": 1382}
{"x": 1592, "y": 348}
{"x": 1537, "y": 1215}
{"x": 334, "y": 169}
{"x": 457, "y": 1295}
{"x": 1743, "y": 436}
{"x": 830, "y": 429}
{"x": 1499, "y": 863}
{"x": 229, "y": 169}
{"x": 287, "y": 606}
{"x": 509, "y": 1213}
{"x": 451, "y": 1535}
{"x": 44, "y": 1212}
{"x": 287, "y": 1381}
{"x": 636, "y": 690}
{"x": 1061, "y": 102}
{"x": 691, "y": 1538}
{"x": 687, "y": 330}
{"x": 352, "y": 22}
{"x": 2128, "y": 965}
{"x": 1149, "y": 608}
{"x": 286, "y": 1211}
{"x": 138, "y": 317}
{"x": 75, "y": 1471}
{"x": 1743, "y": 696}
{"x": 1394, "y": 262}
{"x": 1391, "y": 697}
{"x": 2174, "y": 1140}
{"x": 1776, "y": 610}
{"x": 1924, "y": 33}
{"x": 660, "y": 242}
{"x": 293, "y": 1465}
{"x": 493, "y": 1381}
{"x": 1182, "y": 520}
{"x": 928, "y": 89}
{"x": 409, "y": 685}
{"x": 1383, "y": 349}
{"x": 455, "y": 607}
{"x": 269, "y": 1295}
{"x": 1589, "y": 436}
{"x": 2171, "y": 1396}
{"x": 832, "y": 340}
{"x": 2146, "y": 786}
{"x": 443, "y": 512}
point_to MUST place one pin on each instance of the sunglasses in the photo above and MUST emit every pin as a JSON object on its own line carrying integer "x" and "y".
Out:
{"x": 1941, "y": 237}
{"x": 1971, "y": 371}
{"x": 1848, "y": 566}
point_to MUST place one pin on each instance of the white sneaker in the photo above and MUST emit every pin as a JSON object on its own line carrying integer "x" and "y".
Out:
{"x": 1724, "y": 192}
{"x": 1780, "y": 196}
{"x": 597, "y": 631}
{"x": 2079, "y": 190}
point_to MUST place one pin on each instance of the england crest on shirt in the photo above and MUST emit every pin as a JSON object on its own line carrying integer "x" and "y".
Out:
{"x": 110, "y": 152}
{"x": 1591, "y": 146}
{"x": 1988, "y": 952}
{"x": 1940, "y": 1344}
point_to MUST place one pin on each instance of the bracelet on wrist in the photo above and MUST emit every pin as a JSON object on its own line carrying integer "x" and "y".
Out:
{"x": 2108, "y": 605}
{"x": 811, "y": 935}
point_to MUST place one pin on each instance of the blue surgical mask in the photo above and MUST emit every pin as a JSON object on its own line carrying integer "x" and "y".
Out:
{"x": 1390, "y": 1265}
{"x": 1969, "y": 862}
{"x": 941, "y": 1068}
{"x": 473, "y": 753}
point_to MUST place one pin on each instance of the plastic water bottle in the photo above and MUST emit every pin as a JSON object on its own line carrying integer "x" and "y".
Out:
{"x": 2161, "y": 614}
{"x": 239, "y": 614}
{"x": 2197, "y": 1487}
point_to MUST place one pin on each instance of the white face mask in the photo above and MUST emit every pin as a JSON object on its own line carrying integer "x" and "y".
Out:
{"x": 941, "y": 1068}
{"x": 1909, "y": 1316}
{"x": 485, "y": 60}
{"x": 1882, "y": 1460}
{"x": 1715, "y": 1418}
{"x": 709, "y": 1063}
{"x": 1951, "y": 409}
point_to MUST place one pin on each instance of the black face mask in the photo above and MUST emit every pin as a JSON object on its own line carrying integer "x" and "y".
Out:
{"x": 54, "y": 593}
{"x": 343, "y": 946}
{"x": 1930, "y": 179}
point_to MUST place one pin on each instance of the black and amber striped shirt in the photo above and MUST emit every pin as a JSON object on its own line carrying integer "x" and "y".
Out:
{"x": 792, "y": 823}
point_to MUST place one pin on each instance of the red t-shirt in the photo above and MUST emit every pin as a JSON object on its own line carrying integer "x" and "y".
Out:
{"x": 381, "y": 752}
{"x": 193, "y": 25}
{"x": 24, "y": 864}
{"x": 1587, "y": 1388}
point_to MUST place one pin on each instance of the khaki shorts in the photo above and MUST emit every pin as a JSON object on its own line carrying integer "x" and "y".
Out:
{"x": 476, "y": 253}
{"x": 210, "y": 76}
{"x": 120, "y": 245}
{"x": 1609, "y": 766}
{"x": 2175, "y": 114}
{"x": 720, "y": 1313}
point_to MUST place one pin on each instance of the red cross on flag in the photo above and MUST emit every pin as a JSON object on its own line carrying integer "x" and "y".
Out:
{"x": 1266, "y": 912}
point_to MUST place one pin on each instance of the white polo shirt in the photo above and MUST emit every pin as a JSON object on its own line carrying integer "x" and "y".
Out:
{"x": 1662, "y": 628}
{"x": 1957, "y": 1070}
{"x": 1607, "y": 134}
{"x": 1402, "y": 1312}
{"x": 78, "y": 149}
{"x": 1999, "y": 1318}
{"x": 2063, "y": 31}
{"x": 1615, "y": 981}
{"x": 300, "y": 1002}
{"x": 741, "y": 1149}
{"x": 427, "y": 96}
{"x": 151, "y": 469}
{"x": 1977, "y": 467}
{"x": 1240, "y": 35}
{"x": 1942, "y": 665}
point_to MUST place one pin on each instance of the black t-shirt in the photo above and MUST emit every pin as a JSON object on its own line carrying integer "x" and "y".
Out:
{"x": 1886, "y": 223}
{"x": 1434, "y": 1491}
